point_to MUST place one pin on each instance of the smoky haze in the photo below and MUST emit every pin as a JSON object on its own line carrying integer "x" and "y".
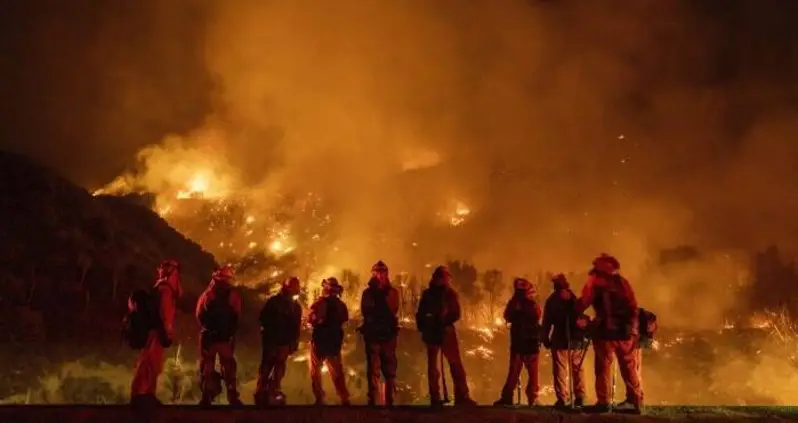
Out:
{"x": 567, "y": 127}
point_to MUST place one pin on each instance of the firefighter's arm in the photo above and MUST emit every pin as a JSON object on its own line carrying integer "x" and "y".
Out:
{"x": 508, "y": 312}
{"x": 453, "y": 308}
{"x": 422, "y": 306}
{"x": 393, "y": 301}
{"x": 630, "y": 294}
{"x": 586, "y": 299}
{"x": 296, "y": 328}
{"x": 547, "y": 319}
{"x": 167, "y": 310}
{"x": 317, "y": 312}
{"x": 366, "y": 304}
{"x": 202, "y": 304}
{"x": 344, "y": 313}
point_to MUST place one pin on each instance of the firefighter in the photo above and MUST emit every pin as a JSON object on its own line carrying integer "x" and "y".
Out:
{"x": 149, "y": 364}
{"x": 564, "y": 333}
{"x": 523, "y": 314}
{"x": 615, "y": 332}
{"x": 281, "y": 321}
{"x": 327, "y": 316}
{"x": 379, "y": 305}
{"x": 438, "y": 310}
{"x": 218, "y": 313}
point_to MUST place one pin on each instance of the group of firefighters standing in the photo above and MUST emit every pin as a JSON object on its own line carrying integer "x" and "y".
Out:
{"x": 561, "y": 327}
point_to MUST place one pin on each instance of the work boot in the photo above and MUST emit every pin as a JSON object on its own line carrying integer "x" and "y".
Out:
{"x": 235, "y": 402}
{"x": 346, "y": 402}
{"x": 628, "y": 407}
{"x": 600, "y": 408}
{"x": 579, "y": 402}
{"x": 503, "y": 402}
{"x": 560, "y": 405}
{"x": 145, "y": 401}
{"x": 205, "y": 402}
{"x": 319, "y": 402}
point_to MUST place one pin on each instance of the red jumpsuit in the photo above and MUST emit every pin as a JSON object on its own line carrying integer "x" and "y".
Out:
{"x": 612, "y": 296}
{"x": 149, "y": 364}
{"x": 558, "y": 326}
{"x": 213, "y": 344}
{"x": 523, "y": 314}
{"x": 442, "y": 304}
{"x": 281, "y": 322}
{"x": 327, "y": 315}
{"x": 379, "y": 305}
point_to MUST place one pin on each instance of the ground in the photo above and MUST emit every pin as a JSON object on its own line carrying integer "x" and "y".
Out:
{"x": 121, "y": 414}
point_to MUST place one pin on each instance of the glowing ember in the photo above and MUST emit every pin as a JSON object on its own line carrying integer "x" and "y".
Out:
{"x": 461, "y": 211}
{"x": 253, "y": 244}
{"x": 481, "y": 351}
{"x": 250, "y": 219}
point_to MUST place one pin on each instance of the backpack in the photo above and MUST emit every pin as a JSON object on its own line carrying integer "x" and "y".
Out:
{"x": 219, "y": 320}
{"x": 383, "y": 325}
{"x": 647, "y": 322}
{"x": 429, "y": 319}
{"x": 142, "y": 317}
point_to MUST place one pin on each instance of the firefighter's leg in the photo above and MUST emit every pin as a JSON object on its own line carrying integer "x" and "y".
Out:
{"x": 433, "y": 374}
{"x": 149, "y": 366}
{"x": 531, "y": 361}
{"x": 316, "y": 363}
{"x": 227, "y": 360}
{"x": 578, "y": 374}
{"x": 451, "y": 350}
{"x": 263, "y": 388}
{"x": 559, "y": 368}
{"x": 338, "y": 376}
{"x": 604, "y": 351}
{"x": 513, "y": 374}
{"x": 627, "y": 362}
{"x": 373, "y": 365}
{"x": 389, "y": 364}
{"x": 207, "y": 366}
{"x": 281, "y": 357}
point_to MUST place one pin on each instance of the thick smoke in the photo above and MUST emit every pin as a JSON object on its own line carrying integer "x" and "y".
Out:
{"x": 567, "y": 127}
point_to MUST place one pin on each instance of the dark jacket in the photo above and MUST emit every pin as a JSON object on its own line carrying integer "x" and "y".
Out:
{"x": 560, "y": 331}
{"x": 327, "y": 316}
{"x": 379, "y": 306}
{"x": 281, "y": 321}
{"x": 523, "y": 314}
{"x": 438, "y": 309}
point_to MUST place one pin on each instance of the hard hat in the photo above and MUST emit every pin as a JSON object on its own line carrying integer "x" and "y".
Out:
{"x": 379, "y": 266}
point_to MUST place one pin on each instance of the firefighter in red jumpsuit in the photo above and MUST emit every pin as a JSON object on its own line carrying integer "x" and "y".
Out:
{"x": 438, "y": 311}
{"x": 564, "y": 333}
{"x": 327, "y": 316}
{"x": 379, "y": 305}
{"x": 615, "y": 332}
{"x": 523, "y": 314}
{"x": 281, "y": 322}
{"x": 149, "y": 365}
{"x": 218, "y": 313}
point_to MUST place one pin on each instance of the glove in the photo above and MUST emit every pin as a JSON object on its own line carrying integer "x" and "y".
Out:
{"x": 293, "y": 347}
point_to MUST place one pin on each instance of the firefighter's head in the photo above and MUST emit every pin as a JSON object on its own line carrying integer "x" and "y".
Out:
{"x": 380, "y": 272}
{"x": 441, "y": 276}
{"x": 169, "y": 272}
{"x": 331, "y": 287}
{"x": 606, "y": 264}
{"x": 524, "y": 287}
{"x": 560, "y": 282}
{"x": 225, "y": 275}
{"x": 291, "y": 286}
{"x": 168, "y": 268}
